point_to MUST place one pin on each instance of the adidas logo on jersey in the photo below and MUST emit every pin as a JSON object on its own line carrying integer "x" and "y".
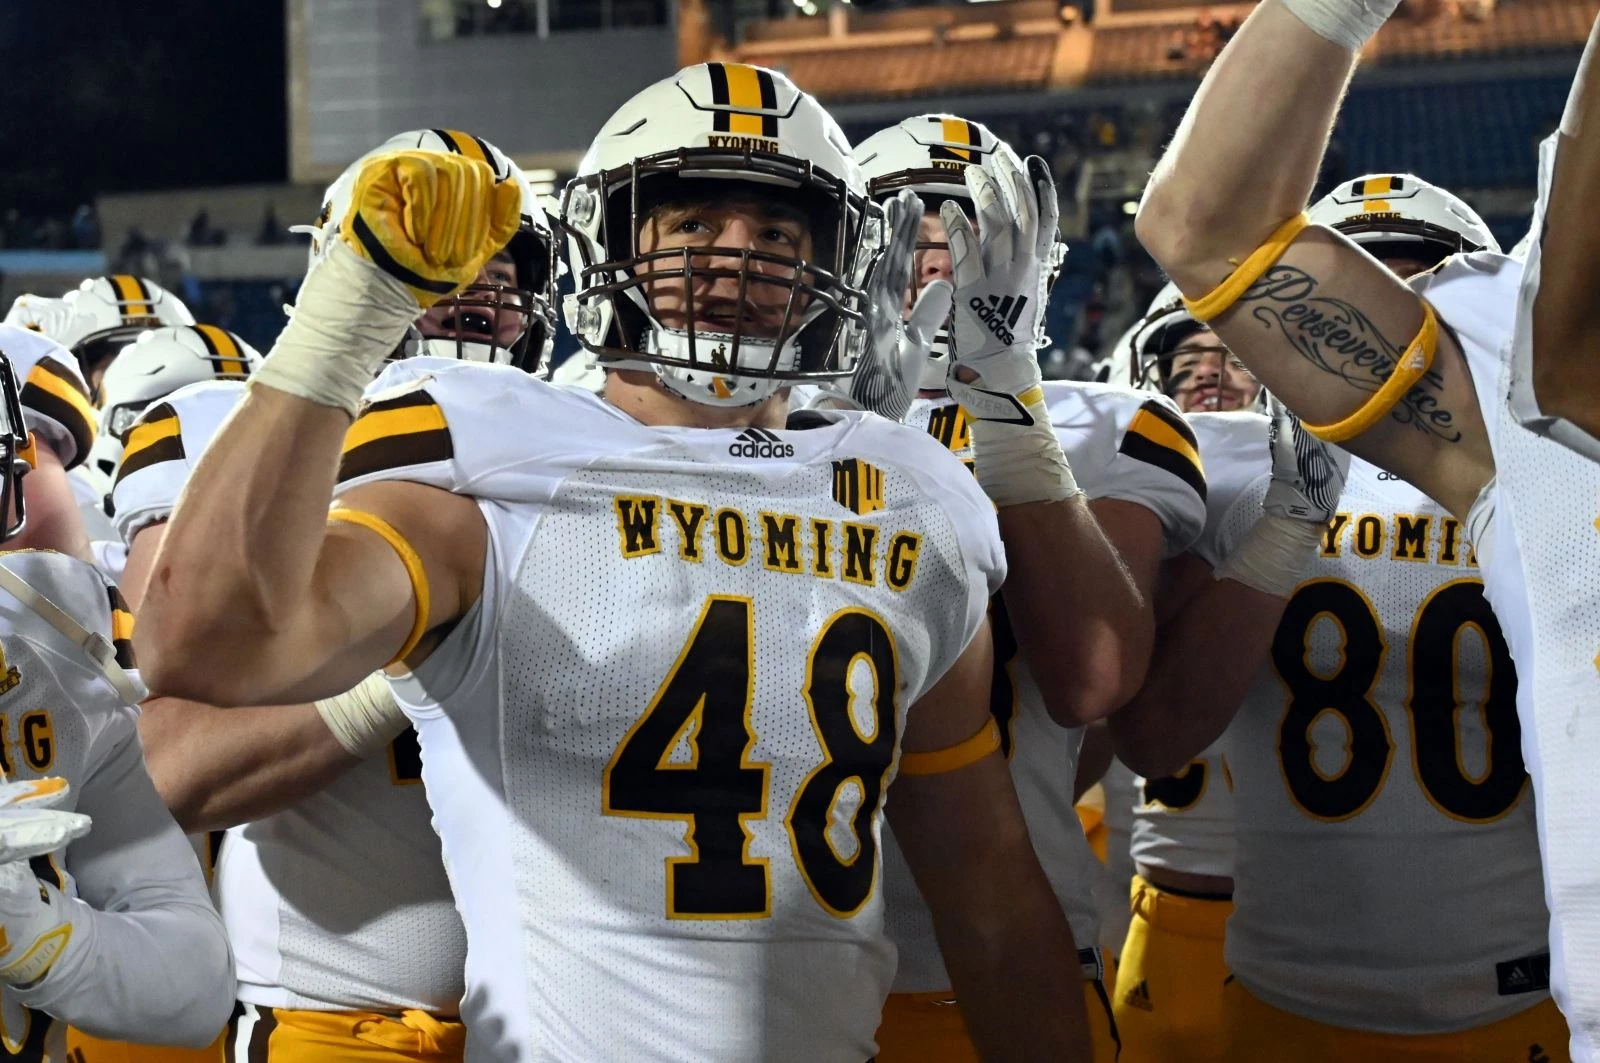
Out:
{"x": 1138, "y": 996}
{"x": 1530, "y": 974}
{"x": 759, "y": 443}
{"x": 1000, "y": 315}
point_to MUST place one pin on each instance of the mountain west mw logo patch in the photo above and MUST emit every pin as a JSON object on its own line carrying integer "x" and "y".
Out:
{"x": 858, "y": 486}
{"x": 1000, "y": 315}
{"x": 759, "y": 443}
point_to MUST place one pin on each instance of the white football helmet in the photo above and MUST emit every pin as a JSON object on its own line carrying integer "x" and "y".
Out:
{"x": 155, "y": 365}
{"x": 508, "y": 323}
{"x": 1404, "y": 214}
{"x": 929, "y": 154}
{"x": 40, "y": 313}
{"x": 107, "y": 313}
{"x": 709, "y": 128}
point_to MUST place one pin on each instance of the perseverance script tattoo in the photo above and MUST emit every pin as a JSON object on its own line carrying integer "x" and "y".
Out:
{"x": 1340, "y": 340}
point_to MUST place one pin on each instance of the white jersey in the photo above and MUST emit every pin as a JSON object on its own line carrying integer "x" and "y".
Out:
{"x": 657, "y": 748}
{"x": 1536, "y": 531}
{"x": 1125, "y": 445}
{"x": 339, "y": 903}
{"x": 55, "y": 400}
{"x": 1185, "y": 821}
{"x": 1386, "y": 874}
{"x": 147, "y": 959}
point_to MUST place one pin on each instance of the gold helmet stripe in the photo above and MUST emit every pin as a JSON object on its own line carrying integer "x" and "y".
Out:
{"x": 228, "y": 360}
{"x": 1377, "y": 186}
{"x": 466, "y": 144}
{"x": 740, "y": 87}
{"x": 132, "y": 295}
{"x": 958, "y": 131}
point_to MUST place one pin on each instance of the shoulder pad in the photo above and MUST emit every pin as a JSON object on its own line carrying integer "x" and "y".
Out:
{"x": 1132, "y": 446}
{"x": 79, "y": 590}
{"x": 55, "y": 400}
{"x": 468, "y": 427}
{"x": 161, "y": 449}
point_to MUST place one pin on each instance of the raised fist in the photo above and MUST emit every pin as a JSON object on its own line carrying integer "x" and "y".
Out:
{"x": 430, "y": 220}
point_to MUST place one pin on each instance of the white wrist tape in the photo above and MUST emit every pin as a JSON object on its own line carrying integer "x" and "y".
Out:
{"x": 365, "y": 719}
{"x": 1351, "y": 23}
{"x": 1017, "y": 464}
{"x": 348, "y": 317}
{"x": 1273, "y": 556}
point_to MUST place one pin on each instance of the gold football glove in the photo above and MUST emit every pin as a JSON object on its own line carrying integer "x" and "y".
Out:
{"x": 430, "y": 220}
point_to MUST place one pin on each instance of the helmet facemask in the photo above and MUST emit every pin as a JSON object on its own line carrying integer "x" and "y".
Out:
{"x": 15, "y": 446}
{"x": 510, "y": 324}
{"x": 785, "y": 321}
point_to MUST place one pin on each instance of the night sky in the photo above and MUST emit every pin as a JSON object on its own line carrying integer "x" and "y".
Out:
{"x": 108, "y": 95}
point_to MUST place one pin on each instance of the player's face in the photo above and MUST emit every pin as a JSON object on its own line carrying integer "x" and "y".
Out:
{"x": 479, "y": 316}
{"x": 712, "y": 290}
{"x": 932, "y": 261}
{"x": 1204, "y": 376}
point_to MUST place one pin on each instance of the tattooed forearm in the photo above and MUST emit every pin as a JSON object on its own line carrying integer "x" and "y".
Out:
{"x": 1340, "y": 340}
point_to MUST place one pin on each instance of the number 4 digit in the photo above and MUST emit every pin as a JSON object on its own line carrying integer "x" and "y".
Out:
{"x": 704, "y": 702}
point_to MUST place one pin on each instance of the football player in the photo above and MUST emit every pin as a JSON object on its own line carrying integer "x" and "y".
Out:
{"x": 104, "y": 918}
{"x": 105, "y": 314}
{"x": 1413, "y": 378}
{"x": 328, "y": 954}
{"x": 1134, "y": 461}
{"x": 665, "y": 657}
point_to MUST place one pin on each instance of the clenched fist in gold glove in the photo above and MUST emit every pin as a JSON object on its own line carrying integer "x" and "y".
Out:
{"x": 430, "y": 220}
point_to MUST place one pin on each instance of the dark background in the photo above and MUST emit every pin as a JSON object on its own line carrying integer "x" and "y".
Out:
{"x": 123, "y": 95}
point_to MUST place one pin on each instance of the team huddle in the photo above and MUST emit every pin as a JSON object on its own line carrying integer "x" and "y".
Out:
{"x": 731, "y": 691}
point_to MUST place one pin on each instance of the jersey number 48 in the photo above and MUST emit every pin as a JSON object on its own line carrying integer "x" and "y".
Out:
{"x": 705, "y": 701}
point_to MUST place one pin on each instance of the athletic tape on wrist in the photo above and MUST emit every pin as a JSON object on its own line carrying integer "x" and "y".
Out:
{"x": 1348, "y": 23}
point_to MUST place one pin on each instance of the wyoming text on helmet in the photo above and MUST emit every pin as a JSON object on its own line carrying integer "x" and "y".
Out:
{"x": 1401, "y": 214}
{"x": 929, "y": 155}
{"x": 713, "y": 131}
{"x": 501, "y": 319}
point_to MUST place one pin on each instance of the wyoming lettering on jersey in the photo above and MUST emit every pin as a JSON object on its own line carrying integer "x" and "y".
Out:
{"x": 784, "y": 542}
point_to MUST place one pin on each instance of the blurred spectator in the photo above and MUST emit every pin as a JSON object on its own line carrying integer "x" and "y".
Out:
{"x": 86, "y": 227}
{"x": 202, "y": 233}
{"x": 272, "y": 231}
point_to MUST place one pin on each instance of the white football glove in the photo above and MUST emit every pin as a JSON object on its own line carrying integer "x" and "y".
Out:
{"x": 995, "y": 331}
{"x": 999, "y": 287}
{"x": 34, "y": 921}
{"x": 1307, "y": 474}
{"x": 1307, "y": 479}
{"x": 896, "y": 347}
{"x": 30, "y": 825}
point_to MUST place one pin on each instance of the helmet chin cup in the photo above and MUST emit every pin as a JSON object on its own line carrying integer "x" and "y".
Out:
{"x": 718, "y": 383}
{"x": 463, "y": 350}
{"x": 709, "y": 389}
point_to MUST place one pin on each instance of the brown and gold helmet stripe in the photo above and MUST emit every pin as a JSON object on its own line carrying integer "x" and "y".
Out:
{"x": 226, "y": 358}
{"x": 954, "y": 131}
{"x": 466, "y": 144}
{"x": 736, "y": 87}
{"x": 407, "y": 430}
{"x": 133, "y": 296}
{"x": 1159, "y": 437}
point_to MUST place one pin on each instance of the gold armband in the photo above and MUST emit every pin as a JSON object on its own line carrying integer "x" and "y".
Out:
{"x": 940, "y": 761}
{"x": 1414, "y": 361}
{"x": 408, "y": 557}
{"x": 1246, "y": 273}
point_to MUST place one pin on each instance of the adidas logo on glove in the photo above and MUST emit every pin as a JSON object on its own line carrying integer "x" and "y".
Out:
{"x": 1000, "y": 315}
{"x": 759, "y": 443}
